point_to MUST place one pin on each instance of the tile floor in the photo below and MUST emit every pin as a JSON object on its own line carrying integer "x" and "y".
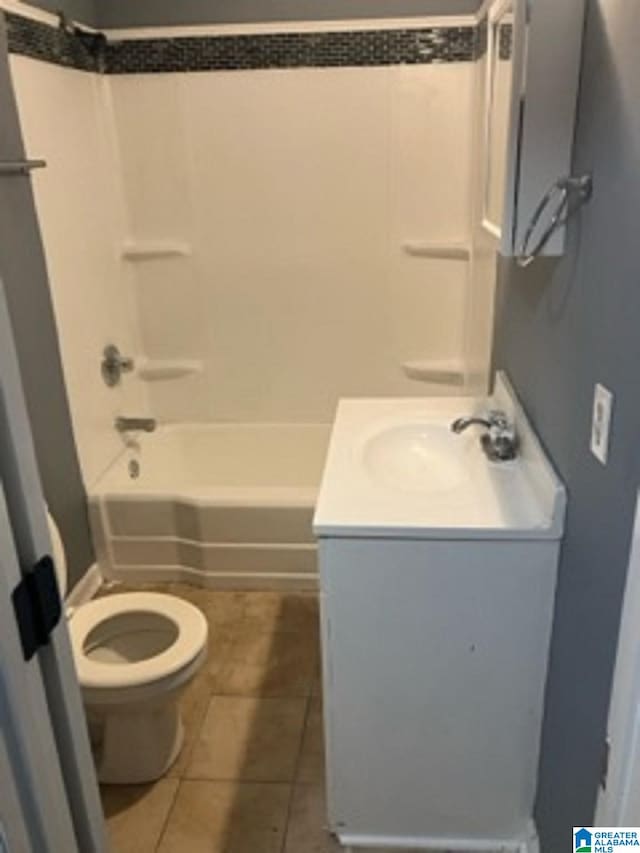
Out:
{"x": 250, "y": 778}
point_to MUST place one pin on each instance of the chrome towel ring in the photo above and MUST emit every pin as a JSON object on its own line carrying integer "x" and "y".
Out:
{"x": 572, "y": 193}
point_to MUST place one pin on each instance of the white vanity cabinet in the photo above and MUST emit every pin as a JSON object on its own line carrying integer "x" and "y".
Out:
{"x": 435, "y": 657}
{"x": 435, "y": 638}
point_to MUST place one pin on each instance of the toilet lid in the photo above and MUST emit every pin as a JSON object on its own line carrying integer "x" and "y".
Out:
{"x": 190, "y": 640}
{"x": 58, "y": 554}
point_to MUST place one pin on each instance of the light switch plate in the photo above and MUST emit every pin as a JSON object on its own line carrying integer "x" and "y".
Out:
{"x": 601, "y": 423}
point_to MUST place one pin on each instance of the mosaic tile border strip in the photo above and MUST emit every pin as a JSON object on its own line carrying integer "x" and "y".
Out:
{"x": 505, "y": 39}
{"x": 54, "y": 44}
{"x": 293, "y": 50}
{"x": 347, "y": 48}
{"x": 482, "y": 38}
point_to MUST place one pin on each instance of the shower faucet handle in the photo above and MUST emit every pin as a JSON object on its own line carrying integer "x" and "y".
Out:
{"x": 114, "y": 364}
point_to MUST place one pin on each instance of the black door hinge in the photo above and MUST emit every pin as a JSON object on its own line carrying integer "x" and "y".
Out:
{"x": 37, "y": 605}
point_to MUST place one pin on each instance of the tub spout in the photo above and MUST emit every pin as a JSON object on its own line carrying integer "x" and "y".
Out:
{"x": 135, "y": 424}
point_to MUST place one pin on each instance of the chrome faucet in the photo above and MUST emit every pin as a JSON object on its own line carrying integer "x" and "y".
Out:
{"x": 499, "y": 442}
{"x": 135, "y": 424}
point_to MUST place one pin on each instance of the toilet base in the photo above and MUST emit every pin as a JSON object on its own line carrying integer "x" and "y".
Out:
{"x": 138, "y": 745}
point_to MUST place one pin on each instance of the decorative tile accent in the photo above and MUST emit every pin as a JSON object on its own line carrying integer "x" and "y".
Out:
{"x": 292, "y": 50}
{"x": 505, "y": 40}
{"x": 482, "y": 38}
{"x": 37, "y": 40}
{"x": 90, "y": 52}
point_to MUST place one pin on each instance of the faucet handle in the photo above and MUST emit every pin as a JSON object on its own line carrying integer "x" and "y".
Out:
{"x": 500, "y": 441}
{"x": 499, "y": 419}
{"x": 500, "y": 444}
{"x": 114, "y": 364}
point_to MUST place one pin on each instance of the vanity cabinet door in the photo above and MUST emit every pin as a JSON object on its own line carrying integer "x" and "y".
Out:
{"x": 434, "y": 665}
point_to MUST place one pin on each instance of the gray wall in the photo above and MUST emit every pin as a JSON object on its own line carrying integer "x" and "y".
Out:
{"x": 560, "y": 328}
{"x": 125, "y": 13}
{"x": 78, "y": 10}
{"x": 23, "y": 271}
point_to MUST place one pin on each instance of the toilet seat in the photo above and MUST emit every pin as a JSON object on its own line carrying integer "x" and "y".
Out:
{"x": 189, "y": 622}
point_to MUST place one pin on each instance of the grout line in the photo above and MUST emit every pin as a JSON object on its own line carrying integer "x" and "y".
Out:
{"x": 200, "y": 726}
{"x": 165, "y": 823}
{"x": 296, "y": 771}
{"x": 234, "y": 780}
{"x": 211, "y": 694}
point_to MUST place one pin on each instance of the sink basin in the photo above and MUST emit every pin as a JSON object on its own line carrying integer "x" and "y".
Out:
{"x": 394, "y": 469}
{"x": 416, "y": 458}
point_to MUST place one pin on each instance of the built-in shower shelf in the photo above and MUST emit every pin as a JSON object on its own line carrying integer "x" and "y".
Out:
{"x": 155, "y": 370}
{"x": 454, "y": 251}
{"x": 441, "y": 372}
{"x": 155, "y": 249}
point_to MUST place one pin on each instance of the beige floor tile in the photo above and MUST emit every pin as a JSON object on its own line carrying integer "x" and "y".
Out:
{"x": 250, "y": 739}
{"x": 306, "y": 831}
{"x": 273, "y": 612}
{"x": 226, "y": 817}
{"x": 316, "y": 686}
{"x": 193, "y": 707}
{"x": 268, "y": 664}
{"x": 223, "y": 608}
{"x": 311, "y": 764}
{"x": 136, "y": 814}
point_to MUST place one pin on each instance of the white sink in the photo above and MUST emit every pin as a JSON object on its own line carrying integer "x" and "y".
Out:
{"x": 395, "y": 469}
{"x": 418, "y": 457}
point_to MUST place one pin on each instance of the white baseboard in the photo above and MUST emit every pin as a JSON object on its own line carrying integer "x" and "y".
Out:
{"x": 426, "y": 845}
{"x": 285, "y": 581}
{"x": 531, "y": 843}
{"x": 388, "y": 844}
{"x": 86, "y": 587}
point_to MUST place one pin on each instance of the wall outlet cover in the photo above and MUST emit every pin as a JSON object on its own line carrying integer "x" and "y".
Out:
{"x": 601, "y": 423}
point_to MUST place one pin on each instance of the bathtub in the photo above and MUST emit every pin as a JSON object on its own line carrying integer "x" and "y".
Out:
{"x": 217, "y": 505}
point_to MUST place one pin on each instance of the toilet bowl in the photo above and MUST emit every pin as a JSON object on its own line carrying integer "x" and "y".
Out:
{"x": 134, "y": 654}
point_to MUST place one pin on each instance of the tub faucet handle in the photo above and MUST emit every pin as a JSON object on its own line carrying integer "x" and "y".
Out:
{"x": 114, "y": 364}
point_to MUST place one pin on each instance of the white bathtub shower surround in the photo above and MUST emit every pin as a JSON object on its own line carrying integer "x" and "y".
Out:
{"x": 295, "y": 191}
{"x": 218, "y": 505}
{"x": 65, "y": 118}
{"x": 247, "y": 247}
{"x": 484, "y": 246}
{"x": 437, "y": 574}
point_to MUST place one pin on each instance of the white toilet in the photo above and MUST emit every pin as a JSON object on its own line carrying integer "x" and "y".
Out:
{"x": 134, "y": 654}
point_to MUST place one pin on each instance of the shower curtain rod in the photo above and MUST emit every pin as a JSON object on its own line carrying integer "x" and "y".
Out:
{"x": 20, "y": 167}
